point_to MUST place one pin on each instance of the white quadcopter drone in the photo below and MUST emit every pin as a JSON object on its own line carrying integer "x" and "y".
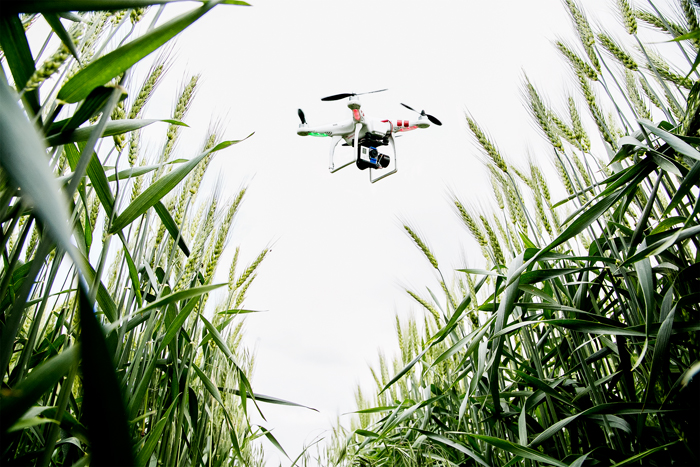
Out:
{"x": 365, "y": 135}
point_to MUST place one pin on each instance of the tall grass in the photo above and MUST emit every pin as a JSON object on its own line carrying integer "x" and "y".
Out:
{"x": 109, "y": 252}
{"x": 577, "y": 344}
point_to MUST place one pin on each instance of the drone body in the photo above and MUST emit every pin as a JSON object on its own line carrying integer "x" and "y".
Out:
{"x": 366, "y": 135}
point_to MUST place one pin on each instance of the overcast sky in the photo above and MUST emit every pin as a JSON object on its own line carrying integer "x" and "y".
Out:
{"x": 340, "y": 261}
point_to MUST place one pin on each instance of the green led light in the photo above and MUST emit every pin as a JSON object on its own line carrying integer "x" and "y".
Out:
{"x": 313, "y": 133}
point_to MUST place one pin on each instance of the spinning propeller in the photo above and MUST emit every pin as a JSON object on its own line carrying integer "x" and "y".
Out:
{"x": 337, "y": 97}
{"x": 422, "y": 112}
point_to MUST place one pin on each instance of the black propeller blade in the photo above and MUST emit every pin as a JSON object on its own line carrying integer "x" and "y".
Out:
{"x": 337, "y": 97}
{"x": 301, "y": 116}
{"x": 422, "y": 112}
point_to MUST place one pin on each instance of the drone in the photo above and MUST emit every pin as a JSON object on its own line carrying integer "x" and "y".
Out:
{"x": 366, "y": 136}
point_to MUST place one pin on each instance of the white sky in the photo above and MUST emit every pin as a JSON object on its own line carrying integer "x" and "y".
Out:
{"x": 340, "y": 259}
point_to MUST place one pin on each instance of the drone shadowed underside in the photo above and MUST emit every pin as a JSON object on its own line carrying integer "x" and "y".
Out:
{"x": 368, "y": 136}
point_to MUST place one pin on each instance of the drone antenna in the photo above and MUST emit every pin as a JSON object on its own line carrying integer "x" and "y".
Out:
{"x": 302, "y": 117}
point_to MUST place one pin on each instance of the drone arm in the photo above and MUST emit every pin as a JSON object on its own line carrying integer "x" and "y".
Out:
{"x": 334, "y": 142}
{"x": 356, "y": 140}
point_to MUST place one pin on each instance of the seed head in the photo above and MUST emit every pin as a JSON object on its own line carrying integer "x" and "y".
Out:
{"x": 595, "y": 111}
{"x": 541, "y": 115}
{"x": 137, "y": 14}
{"x": 663, "y": 25}
{"x": 497, "y": 193}
{"x": 243, "y": 290}
{"x": 118, "y": 114}
{"x": 564, "y": 176}
{"x": 540, "y": 182}
{"x": 52, "y": 64}
{"x": 253, "y": 266}
{"x": 584, "y": 31}
{"x": 581, "y": 135}
{"x": 664, "y": 70}
{"x": 563, "y": 129}
{"x": 117, "y": 16}
{"x": 653, "y": 98}
{"x": 422, "y": 246}
{"x": 488, "y": 146}
{"x": 616, "y": 51}
{"x": 471, "y": 224}
{"x": 181, "y": 108}
{"x": 232, "y": 270}
{"x": 637, "y": 102}
{"x": 582, "y": 170}
{"x": 627, "y": 16}
{"x": 146, "y": 91}
{"x": 426, "y": 305}
{"x": 691, "y": 17}
{"x": 493, "y": 242}
{"x": 577, "y": 62}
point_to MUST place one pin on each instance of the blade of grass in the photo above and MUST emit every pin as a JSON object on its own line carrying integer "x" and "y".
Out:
{"x": 102, "y": 70}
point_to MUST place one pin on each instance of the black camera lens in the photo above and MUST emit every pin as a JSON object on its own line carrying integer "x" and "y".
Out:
{"x": 384, "y": 161}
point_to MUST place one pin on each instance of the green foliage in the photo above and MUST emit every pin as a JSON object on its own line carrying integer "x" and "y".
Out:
{"x": 578, "y": 343}
{"x": 106, "y": 355}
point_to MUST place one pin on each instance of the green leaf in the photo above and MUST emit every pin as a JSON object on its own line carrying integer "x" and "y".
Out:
{"x": 481, "y": 272}
{"x": 133, "y": 273}
{"x": 151, "y": 443}
{"x": 114, "y": 127}
{"x": 171, "y": 227}
{"x": 110, "y": 442}
{"x": 87, "y": 109}
{"x": 518, "y": 450}
{"x": 220, "y": 343}
{"x": 635, "y": 459}
{"x": 273, "y": 440}
{"x": 504, "y": 310}
{"x": 689, "y": 181}
{"x": 674, "y": 141}
{"x": 102, "y": 70}
{"x": 367, "y": 433}
{"x": 19, "y": 399}
{"x": 14, "y": 44}
{"x": 453, "y": 444}
{"x": 23, "y": 423}
{"x": 173, "y": 330}
{"x": 267, "y": 399}
{"x": 474, "y": 338}
{"x": 57, "y": 26}
{"x": 661, "y": 245}
{"x": 41, "y": 6}
{"x": 211, "y": 388}
{"x": 104, "y": 299}
{"x": 663, "y": 341}
{"x": 690, "y": 373}
{"x": 591, "y": 327}
{"x": 238, "y": 312}
{"x": 179, "y": 296}
{"x": 156, "y": 191}
{"x": 23, "y": 158}
{"x": 539, "y": 275}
